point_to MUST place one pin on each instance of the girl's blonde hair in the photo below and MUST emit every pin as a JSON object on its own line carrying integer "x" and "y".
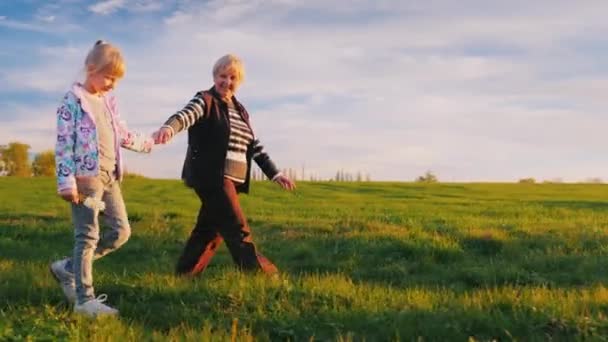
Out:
{"x": 230, "y": 63}
{"x": 105, "y": 58}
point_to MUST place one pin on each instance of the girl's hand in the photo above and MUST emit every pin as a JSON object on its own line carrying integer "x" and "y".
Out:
{"x": 163, "y": 135}
{"x": 69, "y": 195}
{"x": 285, "y": 183}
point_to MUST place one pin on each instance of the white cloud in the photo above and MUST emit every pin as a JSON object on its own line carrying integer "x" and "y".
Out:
{"x": 110, "y": 6}
{"x": 148, "y": 6}
{"x": 472, "y": 91}
{"x": 21, "y": 25}
{"x": 59, "y": 67}
{"x": 107, "y": 6}
{"x": 41, "y": 24}
{"x": 48, "y": 18}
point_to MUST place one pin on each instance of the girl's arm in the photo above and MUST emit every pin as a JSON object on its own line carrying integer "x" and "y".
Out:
{"x": 134, "y": 141}
{"x": 64, "y": 146}
{"x": 130, "y": 140}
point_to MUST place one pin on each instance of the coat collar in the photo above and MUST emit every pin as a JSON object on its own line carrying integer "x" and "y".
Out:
{"x": 236, "y": 102}
{"x": 78, "y": 91}
{"x": 218, "y": 97}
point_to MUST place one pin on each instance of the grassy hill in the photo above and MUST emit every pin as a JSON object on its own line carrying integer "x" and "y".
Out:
{"x": 375, "y": 261}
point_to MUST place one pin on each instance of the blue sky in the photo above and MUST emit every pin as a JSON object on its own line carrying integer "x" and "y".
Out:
{"x": 472, "y": 90}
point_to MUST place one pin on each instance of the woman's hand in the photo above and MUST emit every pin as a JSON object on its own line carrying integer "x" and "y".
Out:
{"x": 285, "y": 182}
{"x": 69, "y": 195}
{"x": 163, "y": 135}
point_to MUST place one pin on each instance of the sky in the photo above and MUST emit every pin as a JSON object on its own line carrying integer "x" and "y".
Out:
{"x": 472, "y": 90}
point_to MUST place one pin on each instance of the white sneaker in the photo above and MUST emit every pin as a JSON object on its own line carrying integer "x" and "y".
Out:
{"x": 95, "y": 307}
{"x": 65, "y": 278}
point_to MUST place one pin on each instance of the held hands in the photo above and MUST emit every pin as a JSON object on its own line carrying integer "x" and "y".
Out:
{"x": 163, "y": 135}
{"x": 285, "y": 183}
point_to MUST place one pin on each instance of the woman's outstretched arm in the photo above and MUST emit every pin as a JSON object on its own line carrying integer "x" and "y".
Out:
{"x": 182, "y": 120}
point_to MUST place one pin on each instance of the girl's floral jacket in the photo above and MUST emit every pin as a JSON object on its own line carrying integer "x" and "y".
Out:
{"x": 77, "y": 148}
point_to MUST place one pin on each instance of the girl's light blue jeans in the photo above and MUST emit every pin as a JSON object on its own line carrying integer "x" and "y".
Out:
{"x": 89, "y": 244}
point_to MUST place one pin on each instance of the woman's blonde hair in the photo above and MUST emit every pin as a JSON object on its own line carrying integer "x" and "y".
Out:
{"x": 105, "y": 58}
{"x": 230, "y": 63}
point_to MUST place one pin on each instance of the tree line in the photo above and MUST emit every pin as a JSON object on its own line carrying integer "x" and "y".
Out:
{"x": 302, "y": 175}
{"x": 15, "y": 161}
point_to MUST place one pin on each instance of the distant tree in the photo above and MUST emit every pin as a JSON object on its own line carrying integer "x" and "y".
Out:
{"x": 529, "y": 180}
{"x": 594, "y": 180}
{"x": 359, "y": 177}
{"x": 4, "y": 161}
{"x": 368, "y": 178}
{"x": 44, "y": 164}
{"x": 15, "y": 158}
{"x": 428, "y": 177}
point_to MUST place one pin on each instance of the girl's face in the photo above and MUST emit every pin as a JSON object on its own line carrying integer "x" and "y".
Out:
{"x": 100, "y": 83}
{"x": 226, "y": 82}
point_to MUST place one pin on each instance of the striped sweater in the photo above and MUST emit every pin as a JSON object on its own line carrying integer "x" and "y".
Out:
{"x": 241, "y": 138}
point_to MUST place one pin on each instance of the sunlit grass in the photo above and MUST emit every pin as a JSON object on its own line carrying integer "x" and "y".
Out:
{"x": 375, "y": 261}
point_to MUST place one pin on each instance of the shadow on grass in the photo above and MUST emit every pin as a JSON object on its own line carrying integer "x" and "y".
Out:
{"x": 43, "y": 238}
{"x": 278, "y": 314}
{"x": 316, "y": 317}
{"x": 20, "y": 242}
{"x": 574, "y": 204}
{"x": 14, "y": 219}
{"x": 479, "y": 262}
{"x": 467, "y": 262}
{"x": 472, "y": 261}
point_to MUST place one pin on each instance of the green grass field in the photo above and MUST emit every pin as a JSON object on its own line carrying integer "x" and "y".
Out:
{"x": 366, "y": 261}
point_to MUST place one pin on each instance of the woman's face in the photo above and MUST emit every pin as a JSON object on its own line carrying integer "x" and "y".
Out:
{"x": 226, "y": 82}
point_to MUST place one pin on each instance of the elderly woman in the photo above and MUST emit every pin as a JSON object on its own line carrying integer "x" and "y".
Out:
{"x": 221, "y": 145}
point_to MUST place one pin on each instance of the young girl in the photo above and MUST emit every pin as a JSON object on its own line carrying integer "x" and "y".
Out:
{"x": 88, "y": 161}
